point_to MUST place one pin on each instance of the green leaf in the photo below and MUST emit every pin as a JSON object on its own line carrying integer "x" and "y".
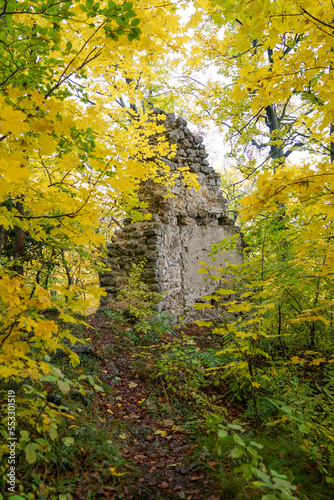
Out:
{"x": 128, "y": 6}
{"x": 123, "y": 20}
{"x": 304, "y": 429}
{"x": 222, "y": 434}
{"x": 30, "y": 453}
{"x": 283, "y": 484}
{"x": 262, "y": 475}
{"x": 63, "y": 386}
{"x": 276, "y": 474}
{"x": 135, "y": 22}
{"x": 237, "y": 452}
{"x": 257, "y": 445}
{"x": 236, "y": 427}
{"x": 238, "y": 440}
{"x": 53, "y": 432}
{"x": 92, "y": 382}
{"x": 68, "y": 441}
{"x": 248, "y": 471}
{"x": 89, "y": 4}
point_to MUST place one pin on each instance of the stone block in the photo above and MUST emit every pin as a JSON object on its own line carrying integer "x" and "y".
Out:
{"x": 105, "y": 281}
{"x": 156, "y": 239}
{"x": 154, "y": 287}
{"x": 195, "y": 167}
{"x": 180, "y": 122}
{"x": 151, "y": 232}
{"x": 151, "y": 256}
{"x": 150, "y": 273}
{"x": 198, "y": 139}
{"x": 141, "y": 249}
{"x": 138, "y": 234}
{"x": 154, "y": 280}
{"x": 131, "y": 244}
{"x": 176, "y": 135}
{"x": 172, "y": 165}
{"x": 185, "y": 144}
{"x": 112, "y": 290}
{"x": 186, "y": 221}
{"x": 205, "y": 169}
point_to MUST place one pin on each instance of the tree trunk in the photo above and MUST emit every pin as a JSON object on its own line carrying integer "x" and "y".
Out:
{"x": 19, "y": 243}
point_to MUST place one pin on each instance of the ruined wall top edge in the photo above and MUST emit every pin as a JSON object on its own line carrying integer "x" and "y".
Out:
{"x": 187, "y": 206}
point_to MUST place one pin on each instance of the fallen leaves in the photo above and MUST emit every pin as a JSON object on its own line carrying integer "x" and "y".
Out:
{"x": 164, "y": 485}
{"x": 168, "y": 423}
{"x": 197, "y": 477}
{"x": 176, "y": 428}
{"x": 157, "y": 447}
{"x": 161, "y": 433}
{"x": 114, "y": 473}
{"x": 212, "y": 464}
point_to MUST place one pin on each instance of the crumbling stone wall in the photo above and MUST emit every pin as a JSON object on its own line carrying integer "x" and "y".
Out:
{"x": 180, "y": 233}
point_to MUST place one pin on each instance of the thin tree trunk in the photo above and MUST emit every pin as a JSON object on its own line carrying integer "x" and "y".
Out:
{"x": 280, "y": 329}
{"x": 19, "y": 243}
{"x": 67, "y": 269}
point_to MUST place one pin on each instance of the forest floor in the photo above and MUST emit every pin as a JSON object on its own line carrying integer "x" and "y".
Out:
{"x": 163, "y": 457}
{"x": 148, "y": 414}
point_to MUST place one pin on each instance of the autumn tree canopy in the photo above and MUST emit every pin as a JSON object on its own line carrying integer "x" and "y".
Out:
{"x": 78, "y": 81}
{"x": 72, "y": 150}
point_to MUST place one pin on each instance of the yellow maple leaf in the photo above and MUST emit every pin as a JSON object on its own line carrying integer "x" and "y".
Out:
{"x": 114, "y": 473}
{"x": 297, "y": 359}
{"x": 161, "y": 433}
{"x": 316, "y": 362}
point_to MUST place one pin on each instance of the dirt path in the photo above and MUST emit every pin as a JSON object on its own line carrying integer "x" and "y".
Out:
{"x": 152, "y": 436}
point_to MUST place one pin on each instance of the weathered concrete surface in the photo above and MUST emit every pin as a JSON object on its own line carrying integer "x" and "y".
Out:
{"x": 180, "y": 233}
{"x": 182, "y": 250}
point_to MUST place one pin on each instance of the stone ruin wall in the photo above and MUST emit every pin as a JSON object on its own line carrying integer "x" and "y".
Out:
{"x": 180, "y": 233}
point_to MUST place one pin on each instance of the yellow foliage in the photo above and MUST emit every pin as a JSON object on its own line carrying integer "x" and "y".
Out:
{"x": 297, "y": 359}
